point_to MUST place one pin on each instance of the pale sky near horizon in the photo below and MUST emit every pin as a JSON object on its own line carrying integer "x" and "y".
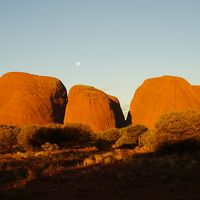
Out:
{"x": 113, "y": 45}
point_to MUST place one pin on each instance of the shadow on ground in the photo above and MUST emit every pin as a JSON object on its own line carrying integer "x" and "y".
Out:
{"x": 145, "y": 176}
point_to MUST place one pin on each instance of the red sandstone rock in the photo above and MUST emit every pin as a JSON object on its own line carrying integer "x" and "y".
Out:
{"x": 197, "y": 89}
{"x": 31, "y": 99}
{"x": 119, "y": 116}
{"x": 88, "y": 105}
{"x": 157, "y": 96}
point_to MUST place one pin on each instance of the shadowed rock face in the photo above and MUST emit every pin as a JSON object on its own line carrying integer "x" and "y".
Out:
{"x": 157, "y": 96}
{"x": 88, "y": 105}
{"x": 31, "y": 99}
{"x": 115, "y": 106}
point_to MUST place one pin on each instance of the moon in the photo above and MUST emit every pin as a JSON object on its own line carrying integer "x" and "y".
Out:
{"x": 78, "y": 64}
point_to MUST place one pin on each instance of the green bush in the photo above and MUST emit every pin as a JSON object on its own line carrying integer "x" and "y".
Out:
{"x": 176, "y": 131}
{"x": 130, "y": 136}
{"x": 8, "y": 137}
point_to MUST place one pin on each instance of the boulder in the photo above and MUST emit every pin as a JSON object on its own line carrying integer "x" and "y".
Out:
{"x": 31, "y": 99}
{"x": 160, "y": 95}
{"x": 88, "y": 105}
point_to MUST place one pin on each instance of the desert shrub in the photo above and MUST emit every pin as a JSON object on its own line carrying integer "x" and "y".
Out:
{"x": 166, "y": 142}
{"x": 105, "y": 139}
{"x": 8, "y": 137}
{"x": 75, "y": 134}
{"x": 130, "y": 136}
{"x": 179, "y": 123}
{"x": 110, "y": 135}
{"x": 176, "y": 131}
{"x": 33, "y": 137}
{"x": 150, "y": 139}
{"x": 136, "y": 130}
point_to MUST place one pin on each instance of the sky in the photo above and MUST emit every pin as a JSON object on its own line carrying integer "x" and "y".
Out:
{"x": 113, "y": 45}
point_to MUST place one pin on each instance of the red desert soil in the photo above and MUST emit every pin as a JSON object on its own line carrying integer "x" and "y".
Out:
{"x": 31, "y": 99}
{"x": 91, "y": 174}
{"x": 157, "y": 96}
{"x": 88, "y": 105}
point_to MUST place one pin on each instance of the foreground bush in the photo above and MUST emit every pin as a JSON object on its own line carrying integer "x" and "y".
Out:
{"x": 119, "y": 138}
{"x": 178, "y": 131}
{"x": 111, "y": 135}
{"x": 33, "y": 137}
{"x": 180, "y": 124}
{"x": 75, "y": 134}
{"x": 105, "y": 139}
{"x": 150, "y": 139}
{"x": 130, "y": 136}
{"x": 8, "y": 137}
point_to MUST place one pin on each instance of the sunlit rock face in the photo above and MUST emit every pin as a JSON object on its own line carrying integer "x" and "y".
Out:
{"x": 197, "y": 89}
{"x": 88, "y": 105}
{"x": 31, "y": 99}
{"x": 157, "y": 96}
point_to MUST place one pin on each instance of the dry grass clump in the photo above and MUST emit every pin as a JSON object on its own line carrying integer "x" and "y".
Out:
{"x": 113, "y": 157}
{"x": 49, "y": 147}
{"x": 102, "y": 158}
{"x": 53, "y": 170}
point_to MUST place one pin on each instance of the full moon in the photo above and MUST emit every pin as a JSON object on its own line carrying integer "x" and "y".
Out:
{"x": 78, "y": 64}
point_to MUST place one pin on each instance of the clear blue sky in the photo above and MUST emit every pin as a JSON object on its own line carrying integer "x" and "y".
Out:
{"x": 119, "y": 43}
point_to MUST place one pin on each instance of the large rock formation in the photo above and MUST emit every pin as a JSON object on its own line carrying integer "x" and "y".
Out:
{"x": 88, "y": 105}
{"x": 157, "y": 96}
{"x": 31, "y": 99}
{"x": 119, "y": 116}
{"x": 197, "y": 89}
